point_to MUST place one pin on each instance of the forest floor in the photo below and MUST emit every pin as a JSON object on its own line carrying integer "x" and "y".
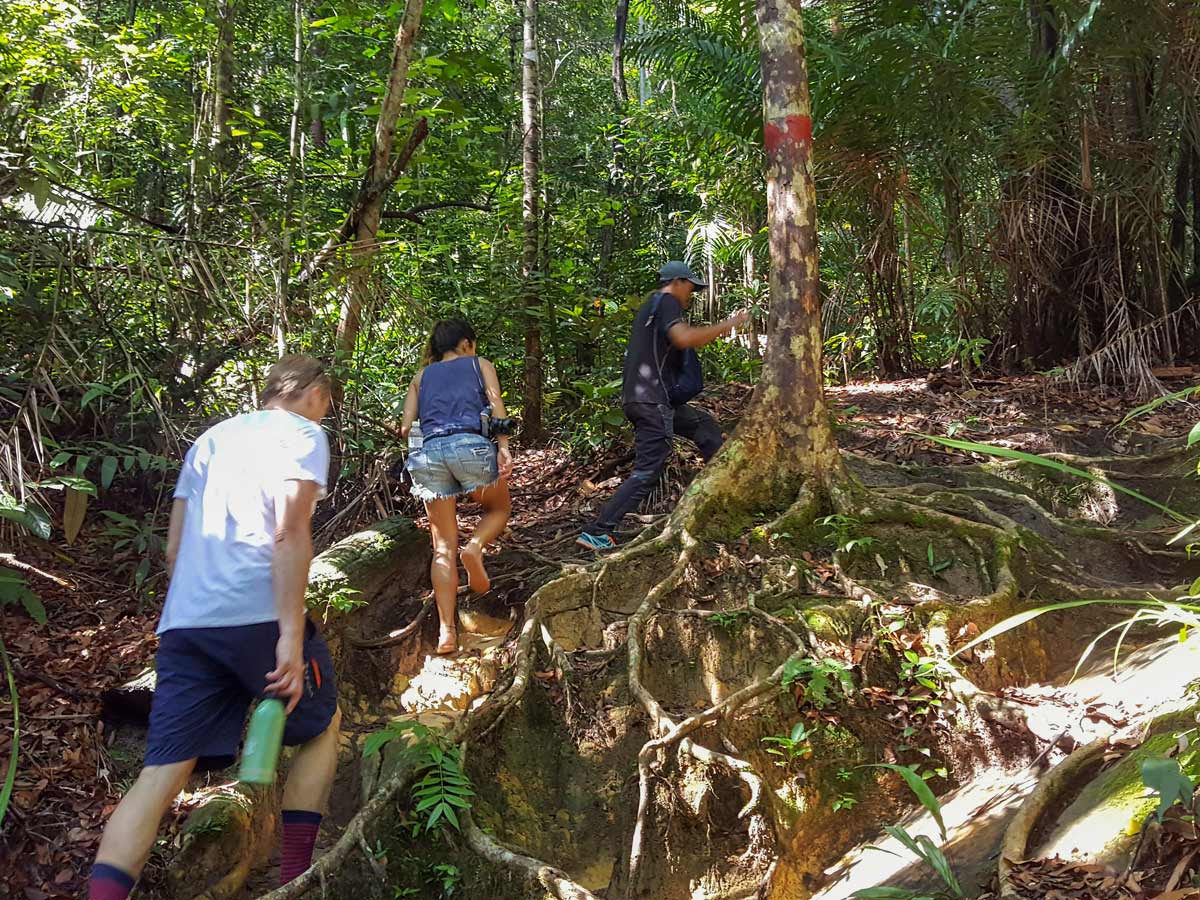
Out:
{"x": 72, "y": 771}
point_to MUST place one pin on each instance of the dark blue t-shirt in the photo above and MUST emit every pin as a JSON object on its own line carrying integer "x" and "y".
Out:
{"x": 650, "y": 358}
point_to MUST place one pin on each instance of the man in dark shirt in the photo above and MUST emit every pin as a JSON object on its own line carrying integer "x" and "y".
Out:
{"x": 652, "y": 364}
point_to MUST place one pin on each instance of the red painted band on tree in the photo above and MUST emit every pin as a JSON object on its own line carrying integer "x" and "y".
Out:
{"x": 794, "y": 130}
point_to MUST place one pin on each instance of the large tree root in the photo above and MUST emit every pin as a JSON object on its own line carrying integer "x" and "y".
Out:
{"x": 1049, "y": 790}
{"x": 553, "y": 880}
{"x": 550, "y": 878}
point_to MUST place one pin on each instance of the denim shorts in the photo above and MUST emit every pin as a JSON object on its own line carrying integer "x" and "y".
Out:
{"x": 209, "y": 677}
{"x": 453, "y": 465}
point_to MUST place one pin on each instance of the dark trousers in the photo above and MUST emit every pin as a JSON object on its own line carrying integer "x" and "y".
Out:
{"x": 654, "y": 429}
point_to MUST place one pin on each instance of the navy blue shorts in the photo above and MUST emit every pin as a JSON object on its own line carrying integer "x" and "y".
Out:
{"x": 209, "y": 677}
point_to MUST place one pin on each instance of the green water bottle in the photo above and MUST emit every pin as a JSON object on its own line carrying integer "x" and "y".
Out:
{"x": 264, "y": 740}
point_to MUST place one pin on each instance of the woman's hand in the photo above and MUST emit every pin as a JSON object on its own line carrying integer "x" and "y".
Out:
{"x": 504, "y": 461}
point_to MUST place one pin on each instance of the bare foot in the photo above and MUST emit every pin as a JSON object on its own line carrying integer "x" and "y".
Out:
{"x": 477, "y": 576}
{"x": 447, "y": 641}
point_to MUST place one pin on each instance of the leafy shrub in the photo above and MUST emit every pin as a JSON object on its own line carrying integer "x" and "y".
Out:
{"x": 442, "y": 786}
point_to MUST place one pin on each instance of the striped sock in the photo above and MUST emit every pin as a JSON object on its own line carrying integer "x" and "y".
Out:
{"x": 299, "y": 837}
{"x": 109, "y": 883}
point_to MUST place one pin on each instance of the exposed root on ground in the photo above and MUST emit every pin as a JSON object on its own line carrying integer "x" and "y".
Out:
{"x": 1049, "y": 791}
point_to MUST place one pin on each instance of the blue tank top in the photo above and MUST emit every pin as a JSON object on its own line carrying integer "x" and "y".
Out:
{"x": 451, "y": 397}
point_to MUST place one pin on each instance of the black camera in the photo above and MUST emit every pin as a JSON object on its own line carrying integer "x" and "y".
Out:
{"x": 493, "y": 427}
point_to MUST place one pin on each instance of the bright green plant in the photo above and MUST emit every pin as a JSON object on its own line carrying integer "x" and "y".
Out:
{"x": 955, "y": 427}
{"x": 446, "y": 878}
{"x": 113, "y": 460}
{"x": 826, "y": 681}
{"x": 937, "y": 567}
{"x": 28, "y": 515}
{"x": 846, "y": 798}
{"x": 1147, "y": 408}
{"x": 1192, "y": 439}
{"x": 14, "y": 589}
{"x": 442, "y": 786}
{"x": 344, "y": 599}
{"x": 1053, "y": 465}
{"x": 1170, "y": 785}
{"x": 792, "y": 746}
{"x": 731, "y": 620}
{"x": 597, "y": 417}
{"x": 844, "y": 801}
{"x": 846, "y": 532}
{"x": 927, "y": 671}
{"x": 1173, "y": 614}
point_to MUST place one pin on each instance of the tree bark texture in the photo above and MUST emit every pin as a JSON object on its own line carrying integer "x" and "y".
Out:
{"x": 531, "y": 425}
{"x": 786, "y": 432}
{"x": 1195, "y": 203}
{"x": 379, "y": 176}
{"x": 211, "y": 132}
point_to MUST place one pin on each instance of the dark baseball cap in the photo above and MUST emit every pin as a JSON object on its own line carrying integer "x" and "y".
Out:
{"x": 678, "y": 269}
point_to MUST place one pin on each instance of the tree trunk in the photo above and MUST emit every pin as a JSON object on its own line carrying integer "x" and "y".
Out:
{"x": 1195, "y": 202}
{"x": 211, "y": 132}
{"x": 380, "y": 175}
{"x": 222, "y": 81}
{"x": 531, "y": 425}
{"x": 1045, "y": 31}
{"x": 295, "y": 136}
{"x": 620, "y": 92}
{"x": 644, "y": 89}
{"x": 784, "y": 439}
{"x": 1178, "y": 235}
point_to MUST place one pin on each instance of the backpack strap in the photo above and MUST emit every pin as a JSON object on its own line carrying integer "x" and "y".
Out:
{"x": 659, "y": 364}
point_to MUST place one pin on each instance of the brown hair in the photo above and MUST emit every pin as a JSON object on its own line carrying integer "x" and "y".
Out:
{"x": 291, "y": 375}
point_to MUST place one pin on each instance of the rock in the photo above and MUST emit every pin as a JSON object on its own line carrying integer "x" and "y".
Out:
{"x": 227, "y": 837}
{"x": 444, "y": 684}
{"x": 475, "y": 622}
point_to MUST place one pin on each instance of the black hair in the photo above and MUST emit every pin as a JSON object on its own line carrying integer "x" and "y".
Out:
{"x": 446, "y": 335}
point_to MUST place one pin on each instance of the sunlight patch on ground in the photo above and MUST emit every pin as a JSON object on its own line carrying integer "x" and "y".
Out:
{"x": 878, "y": 387}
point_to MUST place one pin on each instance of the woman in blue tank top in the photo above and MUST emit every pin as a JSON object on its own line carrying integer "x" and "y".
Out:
{"x": 454, "y": 460}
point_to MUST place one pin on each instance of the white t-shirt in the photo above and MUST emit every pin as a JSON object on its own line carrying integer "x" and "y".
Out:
{"x": 230, "y": 477}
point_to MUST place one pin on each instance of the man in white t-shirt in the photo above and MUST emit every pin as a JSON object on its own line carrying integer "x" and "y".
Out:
{"x": 233, "y": 627}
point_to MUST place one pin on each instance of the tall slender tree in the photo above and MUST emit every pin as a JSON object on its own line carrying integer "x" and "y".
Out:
{"x": 620, "y": 91}
{"x": 532, "y": 425}
{"x": 784, "y": 439}
{"x": 381, "y": 174}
